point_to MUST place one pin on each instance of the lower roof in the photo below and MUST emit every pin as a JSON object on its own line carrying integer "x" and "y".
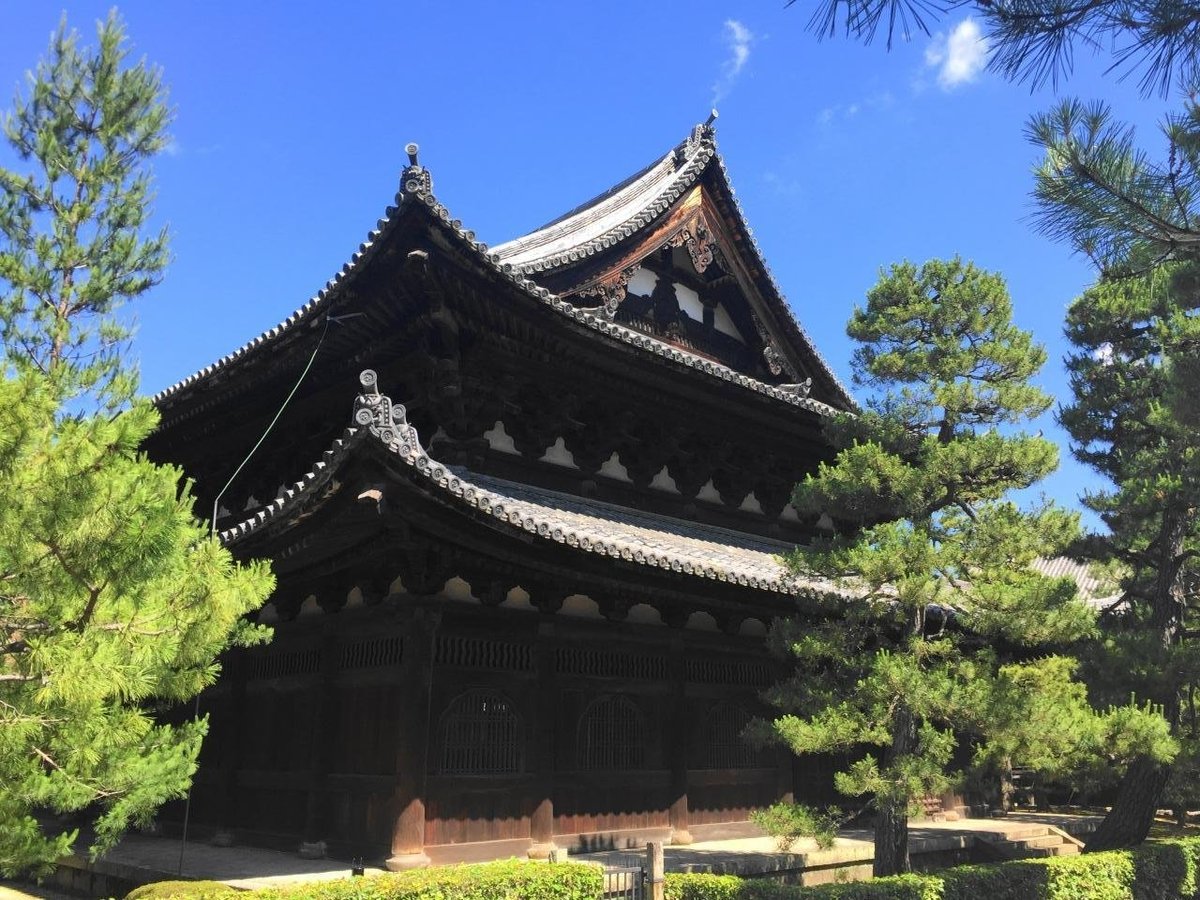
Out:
{"x": 589, "y": 526}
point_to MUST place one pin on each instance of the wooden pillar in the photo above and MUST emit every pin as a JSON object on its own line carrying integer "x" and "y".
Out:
{"x": 312, "y": 845}
{"x": 543, "y": 751}
{"x": 677, "y": 746}
{"x": 412, "y": 743}
{"x": 786, "y": 763}
{"x": 656, "y": 870}
{"x": 231, "y": 749}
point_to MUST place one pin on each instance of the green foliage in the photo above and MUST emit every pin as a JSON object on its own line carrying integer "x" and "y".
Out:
{"x": 506, "y": 880}
{"x": 729, "y": 887}
{"x": 788, "y": 822}
{"x": 71, "y": 248}
{"x": 1159, "y": 870}
{"x": 896, "y": 887}
{"x": 1097, "y": 876}
{"x": 192, "y": 890}
{"x": 1166, "y": 869}
{"x": 1132, "y": 371}
{"x": 681, "y": 886}
{"x": 1098, "y": 192}
{"x": 114, "y": 600}
{"x": 918, "y": 489}
{"x": 1035, "y": 41}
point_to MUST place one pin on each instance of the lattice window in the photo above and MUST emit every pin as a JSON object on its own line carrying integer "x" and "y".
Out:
{"x": 281, "y": 665}
{"x": 606, "y": 664}
{"x": 481, "y": 735}
{"x": 722, "y": 745}
{"x": 611, "y": 735}
{"x": 372, "y": 653}
{"x": 711, "y": 671}
{"x": 483, "y": 653}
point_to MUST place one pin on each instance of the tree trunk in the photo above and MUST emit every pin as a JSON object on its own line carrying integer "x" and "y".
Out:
{"x": 891, "y": 840}
{"x": 891, "y": 826}
{"x": 1007, "y": 788}
{"x": 1128, "y": 822}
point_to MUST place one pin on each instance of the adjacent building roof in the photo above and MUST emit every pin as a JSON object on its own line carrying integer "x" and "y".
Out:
{"x": 687, "y": 548}
{"x": 1095, "y": 592}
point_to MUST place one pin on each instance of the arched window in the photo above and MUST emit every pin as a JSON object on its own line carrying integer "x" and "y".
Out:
{"x": 611, "y": 735}
{"x": 481, "y": 735}
{"x": 721, "y": 743}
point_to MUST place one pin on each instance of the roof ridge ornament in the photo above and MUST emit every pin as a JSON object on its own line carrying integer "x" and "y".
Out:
{"x": 415, "y": 178}
{"x": 386, "y": 420}
{"x": 700, "y": 136}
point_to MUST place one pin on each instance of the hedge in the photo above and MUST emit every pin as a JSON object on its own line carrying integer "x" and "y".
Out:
{"x": 1160, "y": 870}
{"x": 730, "y": 887}
{"x": 194, "y": 890}
{"x": 507, "y": 880}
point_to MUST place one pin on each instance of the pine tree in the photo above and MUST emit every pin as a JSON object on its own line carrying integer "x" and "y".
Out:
{"x": 114, "y": 599}
{"x": 934, "y": 567}
{"x": 1108, "y": 199}
{"x": 1133, "y": 369}
{"x": 1035, "y": 41}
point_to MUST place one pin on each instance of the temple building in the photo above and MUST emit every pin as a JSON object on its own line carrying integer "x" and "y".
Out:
{"x": 525, "y": 509}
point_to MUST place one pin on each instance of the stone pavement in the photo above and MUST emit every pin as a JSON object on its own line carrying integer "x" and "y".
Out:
{"x": 140, "y": 858}
{"x": 854, "y": 849}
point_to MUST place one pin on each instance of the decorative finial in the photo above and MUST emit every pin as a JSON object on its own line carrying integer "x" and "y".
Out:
{"x": 411, "y": 150}
{"x": 712, "y": 117}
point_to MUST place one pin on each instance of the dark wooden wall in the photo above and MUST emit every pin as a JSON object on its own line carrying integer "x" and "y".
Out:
{"x": 306, "y": 732}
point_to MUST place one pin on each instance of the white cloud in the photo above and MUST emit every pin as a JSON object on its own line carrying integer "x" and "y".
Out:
{"x": 739, "y": 39}
{"x": 874, "y": 103}
{"x": 958, "y": 58}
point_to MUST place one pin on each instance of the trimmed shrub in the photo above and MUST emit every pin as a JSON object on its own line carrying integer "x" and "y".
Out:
{"x": 193, "y": 890}
{"x": 726, "y": 887}
{"x": 505, "y": 880}
{"x": 896, "y": 887}
{"x": 1166, "y": 869}
{"x": 730, "y": 887}
{"x": 1095, "y": 876}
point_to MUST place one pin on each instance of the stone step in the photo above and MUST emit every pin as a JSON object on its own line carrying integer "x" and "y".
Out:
{"x": 1038, "y": 847}
{"x": 1037, "y": 843}
{"x": 1015, "y": 833}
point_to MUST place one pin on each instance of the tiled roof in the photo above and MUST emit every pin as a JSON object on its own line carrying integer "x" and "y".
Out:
{"x": 624, "y": 210}
{"x": 1092, "y": 590}
{"x": 688, "y": 548}
{"x": 416, "y": 191}
{"x": 611, "y": 218}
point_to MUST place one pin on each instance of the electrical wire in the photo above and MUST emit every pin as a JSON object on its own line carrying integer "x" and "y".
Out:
{"x": 187, "y": 807}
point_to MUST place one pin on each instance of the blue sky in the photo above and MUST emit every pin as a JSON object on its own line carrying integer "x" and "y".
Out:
{"x": 291, "y": 121}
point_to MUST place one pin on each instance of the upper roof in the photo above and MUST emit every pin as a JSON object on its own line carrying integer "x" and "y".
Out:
{"x": 614, "y": 214}
{"x": 607, "y": 219}
{"x": 635, "y": 205}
